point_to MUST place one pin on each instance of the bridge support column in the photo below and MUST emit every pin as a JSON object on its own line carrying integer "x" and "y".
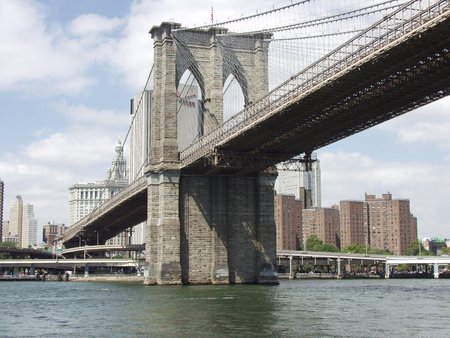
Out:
{"x": 266, "y": 230}
{"x": 339, "y": 273}
{"x": 163, "y": 229}
{"x": 387, "y": 272}
{"x": 291, "y": 273}
{"x": 436, "y": 270}
{"x": 228, "y": 230}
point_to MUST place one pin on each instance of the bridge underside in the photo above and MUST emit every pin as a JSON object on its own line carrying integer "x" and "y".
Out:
{"x": 399, "y": 80}
{"x": 122, "y": 216}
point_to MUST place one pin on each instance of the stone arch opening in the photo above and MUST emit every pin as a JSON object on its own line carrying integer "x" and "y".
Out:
{"x": 189, "y": 110}
{"x": 233, "y": 97}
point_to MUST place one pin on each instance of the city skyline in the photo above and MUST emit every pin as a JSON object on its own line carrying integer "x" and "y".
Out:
{"x": 72, "y": 68}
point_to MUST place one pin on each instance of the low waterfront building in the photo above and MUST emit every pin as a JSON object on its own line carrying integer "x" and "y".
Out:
{"x": 435, "y": 244}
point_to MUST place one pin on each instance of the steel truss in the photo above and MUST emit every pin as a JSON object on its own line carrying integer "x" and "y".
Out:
{"x": 231, "y": 160}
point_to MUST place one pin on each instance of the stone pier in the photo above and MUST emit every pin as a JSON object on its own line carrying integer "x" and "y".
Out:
{"x": 228, "y": 230}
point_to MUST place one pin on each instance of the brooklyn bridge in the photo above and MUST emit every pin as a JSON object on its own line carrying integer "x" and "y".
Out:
{"x": 302, "y": 82}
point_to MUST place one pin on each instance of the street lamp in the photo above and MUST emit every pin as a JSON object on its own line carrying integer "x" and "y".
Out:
{"x": 84, "y": 251}
{"x": 96, "y": 231}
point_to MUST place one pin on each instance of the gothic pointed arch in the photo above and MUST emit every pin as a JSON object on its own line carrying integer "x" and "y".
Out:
{"x": 189, "y": 110}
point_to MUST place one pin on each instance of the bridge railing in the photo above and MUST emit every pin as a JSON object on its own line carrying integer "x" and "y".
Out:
{"x": 132, "y": 189}
{"x": 391, "y": 30}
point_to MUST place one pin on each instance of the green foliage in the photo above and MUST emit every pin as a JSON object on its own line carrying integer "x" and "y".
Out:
{"x": 402, "y": 267}
{"x": 8, "y": 245}
{"x": 361, "y": 249}
{"x": 445, "y": 250}
{"x": 313, "y": 243}
{"x": 329, "y": 248}
{"x": 376, "y": 251}
{"x": 416, "y": 249}
{"x": 355, "y": 248}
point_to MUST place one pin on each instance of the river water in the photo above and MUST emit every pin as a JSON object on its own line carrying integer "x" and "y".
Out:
{"x": 298, "y": 308}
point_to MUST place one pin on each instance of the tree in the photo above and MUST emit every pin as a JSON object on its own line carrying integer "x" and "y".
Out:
{"x": 376, "y": 251}
{"x": 314, "y": 243}
{"x": 445, "y": 250}
{"x": 355, "y": 248}
{"x": 416, "y": 249}
{"x": 8, "y": 245}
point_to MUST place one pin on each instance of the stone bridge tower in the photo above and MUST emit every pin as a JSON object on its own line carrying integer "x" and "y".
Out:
{"x": 206, "y": 229}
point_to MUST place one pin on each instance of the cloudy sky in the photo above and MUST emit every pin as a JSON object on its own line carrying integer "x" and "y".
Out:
{"x": 69, "y": 68}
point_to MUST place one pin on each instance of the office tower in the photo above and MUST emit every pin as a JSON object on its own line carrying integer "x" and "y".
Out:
{"x": 322, "y": 222}
{"x": 22, "y": 224}
{"x": 29, "y": 227}
{"x": 85, "y": 197}
{"x": 2, "y": 190}
{"x": 292, "y": 182}
{"x": 391, "y": 225}
{"x": 15, "y": 219}
{"x": 288, "y": 222}
{"x": 353, "y": 223}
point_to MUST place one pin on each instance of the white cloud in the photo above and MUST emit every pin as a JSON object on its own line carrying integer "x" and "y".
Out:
{"x": 428, "y": 124}
{"x": 93, "y": 24}
{"x": 43, "y": 170}
{"x": 35, "y": 58}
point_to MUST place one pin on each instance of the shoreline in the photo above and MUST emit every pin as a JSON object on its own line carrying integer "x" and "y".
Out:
{"x": 111, "y": 278}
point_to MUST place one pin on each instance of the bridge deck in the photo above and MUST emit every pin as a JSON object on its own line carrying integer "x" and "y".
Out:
{"x": 402, "y": 72}
{"x": 398, "y": 77}
{"x": 124, "y": 210}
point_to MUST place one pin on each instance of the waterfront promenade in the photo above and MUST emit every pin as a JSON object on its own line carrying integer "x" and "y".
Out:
{"x": 344, "y": 264}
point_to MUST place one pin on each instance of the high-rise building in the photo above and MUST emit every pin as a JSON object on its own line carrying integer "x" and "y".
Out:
{"x": 353, "y": 223}
{"x": 51, "y": 231}
{"x": 29, "y": 227}
{"x": 139, "y": 146}
{"x": 391, "y": 225}
{"x": 322, "y": 222}
{"x": 85, "y": 197}
{"x": 292, "y": 182}
{"x": 22, "y": 224}
{"x": 288, "y": 222}
{"x": 15, "y": 219}
{"x": 2, "y": 190}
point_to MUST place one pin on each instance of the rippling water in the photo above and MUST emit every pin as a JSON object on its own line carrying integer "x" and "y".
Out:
{"x": 301, "y": 308}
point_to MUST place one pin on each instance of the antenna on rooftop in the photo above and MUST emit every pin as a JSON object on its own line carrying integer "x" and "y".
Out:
{"x": 212, "y": 13}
